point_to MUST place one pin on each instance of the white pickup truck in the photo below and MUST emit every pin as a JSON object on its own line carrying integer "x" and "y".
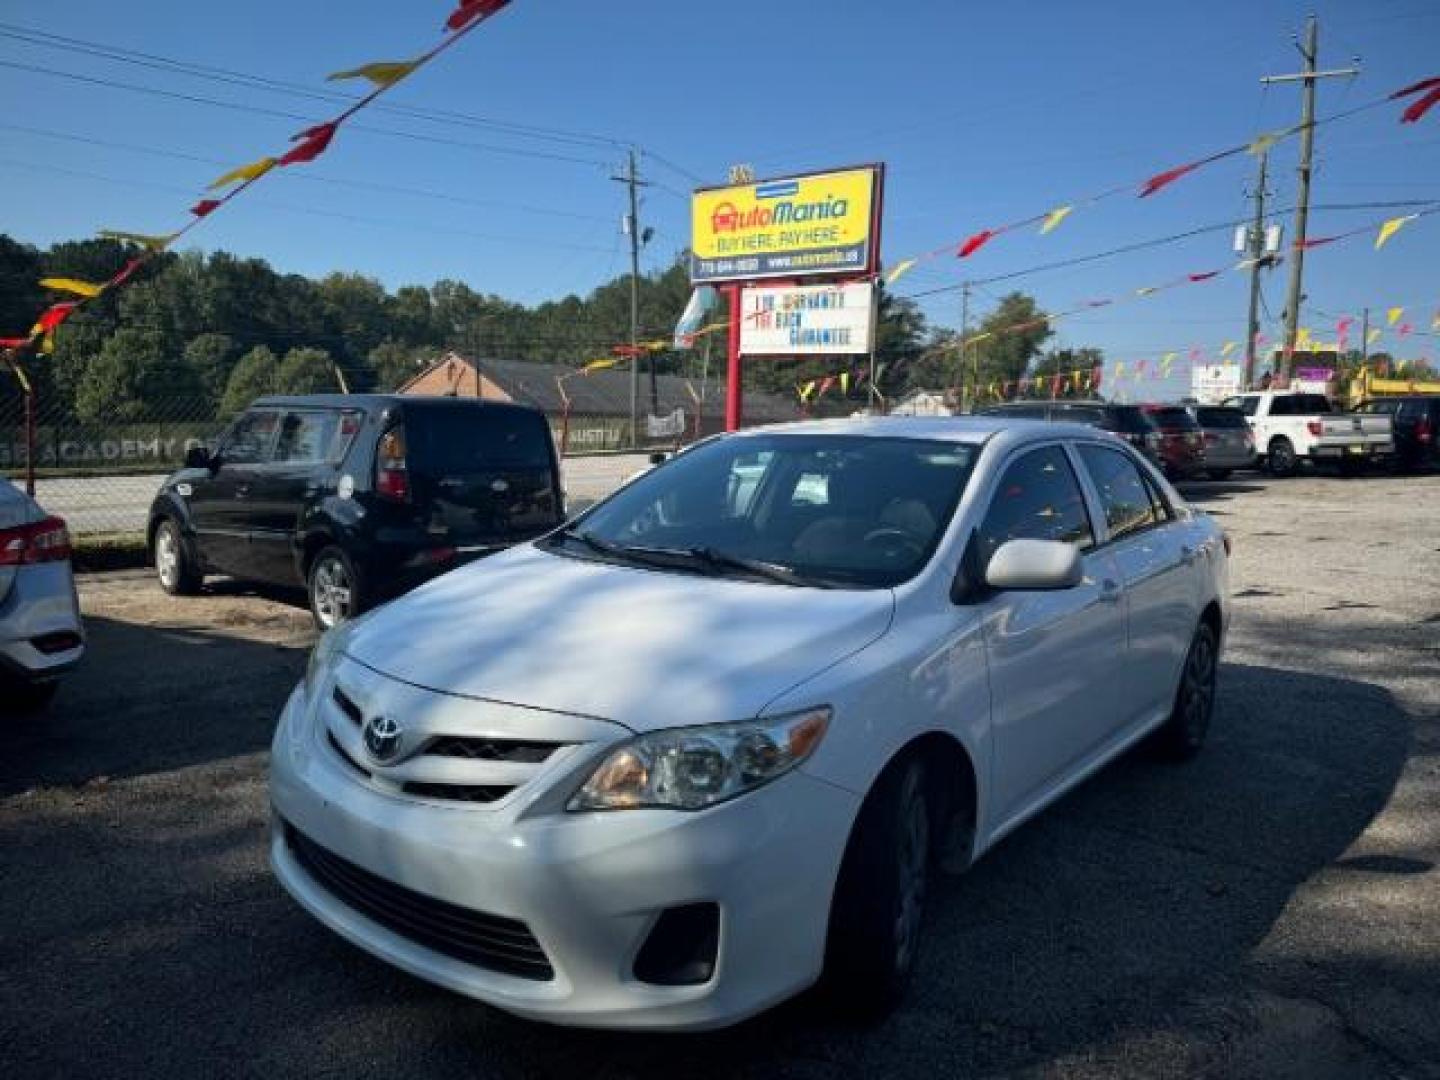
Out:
{"x": 1291, "y": 427}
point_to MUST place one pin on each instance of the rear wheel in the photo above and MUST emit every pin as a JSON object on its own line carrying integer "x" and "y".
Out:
{"x": 875, "y": 919}
{"x": 334, "y": 587}
{"x": 1183, "y": 734}
{"x": 1281, "y": 457}
{"x": 174, "y": 565}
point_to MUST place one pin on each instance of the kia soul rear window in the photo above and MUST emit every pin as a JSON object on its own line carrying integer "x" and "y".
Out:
{"x": 446, "y": 441}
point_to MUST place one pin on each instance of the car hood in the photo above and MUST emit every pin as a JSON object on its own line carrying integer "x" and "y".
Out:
{"x": 645, "y": 648}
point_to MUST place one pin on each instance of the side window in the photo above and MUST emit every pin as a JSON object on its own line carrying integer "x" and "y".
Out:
{"x": 251, "y": 439}
{"x": 1131, "y": 504}
{"x": 1038, "y": 498}
{"x": 305, "y": 437}
{"x": 1249, "y": 405}
{"x": 743, "y": 483}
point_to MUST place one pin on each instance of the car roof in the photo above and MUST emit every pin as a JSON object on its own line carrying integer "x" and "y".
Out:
{"x": 376, "y": 402}
{"x": 960, "y": 429}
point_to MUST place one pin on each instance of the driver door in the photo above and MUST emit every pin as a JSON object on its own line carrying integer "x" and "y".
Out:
{"x": 221, "y": 508}
{"x": 1055, "y": 656}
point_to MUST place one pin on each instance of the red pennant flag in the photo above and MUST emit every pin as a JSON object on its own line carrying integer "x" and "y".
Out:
{"x": 204, "y": 206}
{"x": 1055, "y": 386}
{"x": 1195, "y": 354}
{"x": 975, "y": 243}
{"x": 825, "y": 384}
{"x": 55, "y": 315}
{"x": 1164, "y": 179}
{"x": 125, "y": 271}
{"x": 14, "y": 342}
{"x": 1343, "y": 325}
{"x": 1095, "y": 374}
{"x": 1405, "y": 328}
{"x": 1314, "y": 242}
{"x": 1415, "y": 88}
{"x": 470, "y": 10}
{"x": 1420, "y": 108}
{"x": 1205, "y": 276}
{"x": 313, "y": 142}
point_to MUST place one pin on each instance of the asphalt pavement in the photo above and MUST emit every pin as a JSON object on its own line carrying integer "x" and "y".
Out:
{"x": 1269, "y": 910}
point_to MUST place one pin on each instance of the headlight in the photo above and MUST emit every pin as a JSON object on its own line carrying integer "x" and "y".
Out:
{"x": 695, "y": 767}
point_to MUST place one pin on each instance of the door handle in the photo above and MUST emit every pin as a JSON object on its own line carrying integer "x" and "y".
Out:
{"x": 1110, "y": 592}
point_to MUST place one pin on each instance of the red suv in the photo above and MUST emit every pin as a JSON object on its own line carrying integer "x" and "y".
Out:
{"x": 1182, "y": 443}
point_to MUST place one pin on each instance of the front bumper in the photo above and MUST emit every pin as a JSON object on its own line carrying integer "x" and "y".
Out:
{"x": 589, "y": 887}
{"x": 40, "y": 608}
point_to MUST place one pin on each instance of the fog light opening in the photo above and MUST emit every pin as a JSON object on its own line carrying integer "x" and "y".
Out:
{"x": 682, "y": 946}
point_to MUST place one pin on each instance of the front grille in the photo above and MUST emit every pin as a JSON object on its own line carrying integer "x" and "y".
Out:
{"x": 488, "y": 941}
{"x": 348, "y": 707}
{"x": 460, "y": 792}
{"x": 528, "y": 753}
{"x": 345, "y": 757}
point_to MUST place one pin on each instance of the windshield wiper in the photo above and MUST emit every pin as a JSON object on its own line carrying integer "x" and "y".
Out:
{"x": 769, "y": 571}
{"x": 663, "y": 558}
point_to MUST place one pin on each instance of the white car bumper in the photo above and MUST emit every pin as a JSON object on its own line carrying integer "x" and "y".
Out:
{"x": 41, "y": 634}
{"x": 589, "y": 887}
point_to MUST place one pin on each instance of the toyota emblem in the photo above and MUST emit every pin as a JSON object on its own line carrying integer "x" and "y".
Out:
{"x": 382, "y": 738}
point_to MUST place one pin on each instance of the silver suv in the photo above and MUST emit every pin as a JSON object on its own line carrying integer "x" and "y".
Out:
{"x": 40, "y": 631}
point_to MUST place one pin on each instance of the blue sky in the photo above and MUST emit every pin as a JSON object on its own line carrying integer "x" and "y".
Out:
{"x": 983, "y": 113}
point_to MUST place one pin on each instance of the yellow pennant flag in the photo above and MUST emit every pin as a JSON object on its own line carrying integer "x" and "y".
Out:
{"x": 1372, "y": 337}
{"x": 1400, "y": 367}
{"x": 806, "y": 390}
{"x": 1166, "y": 361}
{"x": 153, "y": 242}
{"x": 1302, "y": 338}
{"x": 381, "y": 73}
{"x": 1054, "y": 218}
{"x": 599, "y": 365}
{"x": 901, "y": 269}
{"x": 1262, "y": 143}
{"x": 253, "y": 171}
{"x": 72, "y": 285}
{"x": 1227, "y": 349}
{"x": 1390, "y": 228}
{"x": 1119, "y": 369}
{"x": 1393, "y": 315}
{"x": 844, "y": 382}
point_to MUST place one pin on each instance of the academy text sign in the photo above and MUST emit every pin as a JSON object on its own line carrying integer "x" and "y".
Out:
{"x": 800, "y": 226}
{"x": 795, "y": 320}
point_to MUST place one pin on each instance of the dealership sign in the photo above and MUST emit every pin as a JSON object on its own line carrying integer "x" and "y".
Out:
{"x": 1215, "y": 382}
{"x": 823, "y": 223}
{"x": 781, "y": 320}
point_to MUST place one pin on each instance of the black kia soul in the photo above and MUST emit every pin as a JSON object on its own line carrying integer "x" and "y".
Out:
{"x": 357, "y": 497}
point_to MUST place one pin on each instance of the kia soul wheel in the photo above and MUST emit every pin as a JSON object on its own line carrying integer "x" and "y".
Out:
{"x": 334, "y": 586}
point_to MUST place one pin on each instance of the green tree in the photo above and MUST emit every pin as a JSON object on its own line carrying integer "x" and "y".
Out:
{"x": 1018, "y": 334}
{"x": 253, "y": 376}
{"x": 392, "y": 364}
{"x": 134, "y": 378}
{"x": 210, "y": 358}
{"x": 306, "y": 371}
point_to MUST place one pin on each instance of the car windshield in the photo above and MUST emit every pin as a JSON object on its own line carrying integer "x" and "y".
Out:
{"x": 1221, "y": 418}
{"x": 818, "y": 510}
{"x": 1173, "y": 418}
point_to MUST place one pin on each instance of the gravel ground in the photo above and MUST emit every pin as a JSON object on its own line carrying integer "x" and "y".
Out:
{"x": 1271, "y": 910}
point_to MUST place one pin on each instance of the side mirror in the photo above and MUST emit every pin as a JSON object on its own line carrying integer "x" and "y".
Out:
{"x": 1034, "y": 565}
{"x": 659, "y": 457}
{"x": 197, "y": 457}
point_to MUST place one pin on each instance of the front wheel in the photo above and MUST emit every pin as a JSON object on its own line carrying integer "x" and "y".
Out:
{"x": 335, "y": 589}
{"x": 1183, "y": 734}
{"x": 875, "y": 919}
{"x": 1281, "y": 457}
{"x": 174, "y": 565}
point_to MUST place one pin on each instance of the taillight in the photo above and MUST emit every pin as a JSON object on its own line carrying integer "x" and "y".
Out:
{"x": 1422, "y": 429}
{"x": 1315, "y": 427}
{"x": 44, "y": 541}
{"x": 392, "y": 475}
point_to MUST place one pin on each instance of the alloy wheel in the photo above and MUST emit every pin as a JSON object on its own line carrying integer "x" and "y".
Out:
{"x": 911, "y": 857}
{"x": 1198, "y": 696}
{"x": 167, "y": 556}
{"x": 331, "y": 592}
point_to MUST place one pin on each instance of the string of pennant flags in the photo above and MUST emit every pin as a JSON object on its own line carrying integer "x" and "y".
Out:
{"x": 1425, "y": 94}
{"x": 309, "y": 144}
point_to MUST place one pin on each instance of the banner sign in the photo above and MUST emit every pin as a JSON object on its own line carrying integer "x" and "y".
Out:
{"x": 660, "y": 427}
{"x": 796, "y": 320}
{"x": 1212, "y": 384}
{"x": 822, "y": 223}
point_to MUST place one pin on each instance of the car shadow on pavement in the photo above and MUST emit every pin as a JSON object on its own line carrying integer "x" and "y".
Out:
{"x": 150, "y": 699}
{"x": 1206, "y": 491}
{"x": 1106, "y": 918}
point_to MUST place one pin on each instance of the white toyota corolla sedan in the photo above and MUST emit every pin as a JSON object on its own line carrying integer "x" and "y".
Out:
{"x": 680, "y": 759}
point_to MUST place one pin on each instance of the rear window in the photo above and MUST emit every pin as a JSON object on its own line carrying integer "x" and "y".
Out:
{"x": 1131, "y": 420}
{"x": 1389, "y": 407}
{"x": 1221, "y": 418}
{"x": 1299, "y": 405}
{"x": 467, "y": 439}
{"x": 1173, "y": 419}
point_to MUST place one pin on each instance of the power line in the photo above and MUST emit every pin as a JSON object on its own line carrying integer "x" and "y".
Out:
{"x": 302, "y": 175}
{"x": 260, "y": 110}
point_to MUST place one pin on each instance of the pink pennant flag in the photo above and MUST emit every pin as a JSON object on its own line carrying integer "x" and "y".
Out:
{"x": 1405, "y": 328}
{"x": 1165, "y": 179}
{"x": 312, "y": 143}
{"x": 470, "y": 10}
{"x": 1203, "y": 277}
{"x": 204, "y": 206}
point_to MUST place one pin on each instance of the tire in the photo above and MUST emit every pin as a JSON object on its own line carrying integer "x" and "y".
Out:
{"x": 23, "y": 699}
{"x": 875, "y": 918}
{"x": 1183, "y": 734}
{"x": 1219, "y": 474}
{"x": 334, "y": 587}
{"x": 1280, "y": 458}
{"x": 174, "y": 565}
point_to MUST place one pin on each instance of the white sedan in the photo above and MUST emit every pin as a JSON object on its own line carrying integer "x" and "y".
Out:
{"x": 681, "y": 759}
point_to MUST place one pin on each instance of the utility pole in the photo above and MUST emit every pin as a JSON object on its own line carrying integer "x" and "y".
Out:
{"x": 964, "y": 333}
{"x": 632, "y": 180}
{"x": 1365, "y": 337}
{"x": 1256, "y": 250}
{"x": 1310, "y": 52}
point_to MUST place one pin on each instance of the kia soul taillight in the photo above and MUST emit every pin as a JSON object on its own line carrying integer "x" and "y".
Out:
{"x": 43, "y": 541}
{"x": 392, "y": 474}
